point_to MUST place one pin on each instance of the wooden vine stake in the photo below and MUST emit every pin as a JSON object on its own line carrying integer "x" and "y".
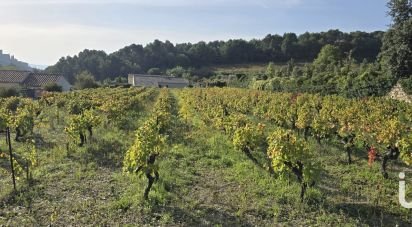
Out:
{"x": 11, "y": 158}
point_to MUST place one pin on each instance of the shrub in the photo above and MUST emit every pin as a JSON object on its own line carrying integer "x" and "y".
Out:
{"x": 8, "y": 92}
{"x": 407, "y": 85}
{"x": 154, "y": 71}
{"x": 85, "y": 80}
{"x": 53, "y": 87}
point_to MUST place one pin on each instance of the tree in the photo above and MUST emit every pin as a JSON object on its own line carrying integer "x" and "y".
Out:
{"x": 289, "y": 44}
{"x": 400, "y": 10}
{"x": 202, "y": 54}
{"x": 165, "y": 55}
{"x": 85, "y": 80}
{"x": 270, "y": 70}
{"x": 407, "y": 85}
{"x": 154, "y": 71}
{"x": 237, "y": 51}
{"x": 329, "y": 54}
{"x": 177, "y": 71}
{"x": 397, "y": 42}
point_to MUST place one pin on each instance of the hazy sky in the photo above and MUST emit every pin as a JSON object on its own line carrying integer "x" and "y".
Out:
{"x": 42, "y": 31}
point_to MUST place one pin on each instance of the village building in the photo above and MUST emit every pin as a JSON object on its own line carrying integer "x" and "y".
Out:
{"x": 31, "y": 83}
{"x": 140, "y": 80}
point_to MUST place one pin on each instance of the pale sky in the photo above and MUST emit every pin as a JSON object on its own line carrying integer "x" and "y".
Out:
{"x": 42, "y": 31}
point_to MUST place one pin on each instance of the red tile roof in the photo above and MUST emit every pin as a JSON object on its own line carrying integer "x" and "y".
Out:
{"x": 27, "y": 79}
{"x": 41, "y": 79}
{"x": 13, "y": 76}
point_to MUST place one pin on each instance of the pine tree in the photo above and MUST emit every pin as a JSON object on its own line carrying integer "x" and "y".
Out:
{"x": 396, "y": 53}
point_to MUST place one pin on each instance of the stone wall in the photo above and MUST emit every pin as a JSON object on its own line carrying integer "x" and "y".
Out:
{"x": 398, "y": 93}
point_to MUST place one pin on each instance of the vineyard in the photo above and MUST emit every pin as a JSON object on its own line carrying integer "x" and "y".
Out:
{"x": 203, "y": 156}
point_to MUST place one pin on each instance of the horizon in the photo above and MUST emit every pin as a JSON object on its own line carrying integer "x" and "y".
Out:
{"x": 70, "y": 27}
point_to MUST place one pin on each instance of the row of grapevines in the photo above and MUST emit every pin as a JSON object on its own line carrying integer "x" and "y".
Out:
{"x": 89, "y": 108}
{"x": 283, "y": 148}
{"x": 378, "y": 123}
{"x": 112, "y": 102}
{"x": 150, "y": 141}
{"x": 18, "y": 115}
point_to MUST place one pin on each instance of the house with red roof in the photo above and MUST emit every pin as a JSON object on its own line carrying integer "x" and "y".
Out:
{"x": 31, "y": 82}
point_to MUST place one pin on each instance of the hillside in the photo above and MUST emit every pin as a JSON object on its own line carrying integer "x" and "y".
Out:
{"x": 161, "y": 56}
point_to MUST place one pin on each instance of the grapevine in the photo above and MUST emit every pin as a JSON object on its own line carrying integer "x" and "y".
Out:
{"x": 150, "y": 142}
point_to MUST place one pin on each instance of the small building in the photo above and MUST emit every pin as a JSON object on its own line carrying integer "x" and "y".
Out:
{"x": 140, "y": 80}
{"x": 30, "y": 82}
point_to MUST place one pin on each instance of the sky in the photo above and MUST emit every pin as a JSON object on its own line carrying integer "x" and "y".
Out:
{"x": 43, "y": 31}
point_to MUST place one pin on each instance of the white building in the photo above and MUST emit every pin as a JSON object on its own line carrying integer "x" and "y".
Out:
{"x": 140, "y": 80}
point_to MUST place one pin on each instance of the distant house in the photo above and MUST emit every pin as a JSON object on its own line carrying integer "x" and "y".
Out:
{"x": 140, "y": 80}
{"x": 33, "y": 83}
